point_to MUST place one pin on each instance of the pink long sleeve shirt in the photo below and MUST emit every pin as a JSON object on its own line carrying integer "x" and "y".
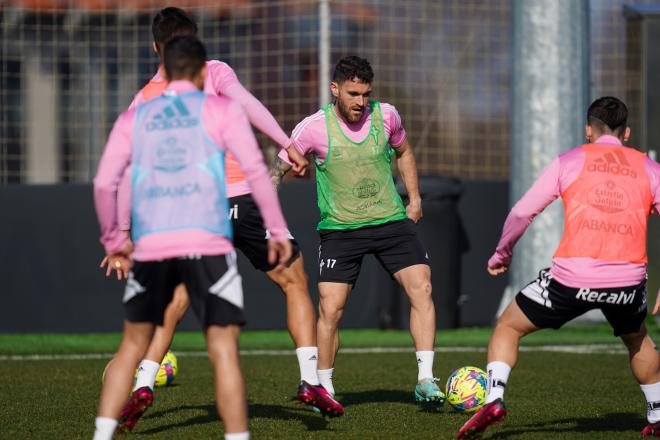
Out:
{"x": 220, "y": 80}
{"x": 227, "y": 126}
{"x": 572, "y": 272}
{"x": 311, "y": 135}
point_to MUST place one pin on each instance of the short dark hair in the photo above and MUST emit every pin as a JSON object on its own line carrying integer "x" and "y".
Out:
{"x": 608, "y": 114}
{"x": 183, "y": 57}
{"x": 171, "y": 22}
{"x": 352, "y": 67}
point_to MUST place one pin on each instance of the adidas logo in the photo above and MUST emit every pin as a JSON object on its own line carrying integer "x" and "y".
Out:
{"x": 652, "y": 406}
{"x": 419, "y": 360}
{"x": 175, "y": 115}
{"x": 497, "y": 383}
{"x": 313, "y": 358}
{"x": 613, "y": 162}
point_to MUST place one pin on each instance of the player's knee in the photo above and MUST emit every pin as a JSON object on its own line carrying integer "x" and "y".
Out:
{"x": 180, "y": 300}
{"x": 330, "y": 313}
{"x": 420, "y": 291}
{"x": 222, "y": 340}
{"x": 222, "y": 352}
{"x": 300, "y": 280}
{"x": 134, "y": 347}
{"x": 293, "y": 284}
{"x": 510, "y": 326}
{"x": 136, "y": 338}
{"x": 173, "y": 314}
{"x": 634, "y": 341}
{"x": 180, "y": 306}
{"x": 292, "y": 281}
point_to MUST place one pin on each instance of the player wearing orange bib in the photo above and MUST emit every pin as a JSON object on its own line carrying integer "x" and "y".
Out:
{"x": 608, "y": 191}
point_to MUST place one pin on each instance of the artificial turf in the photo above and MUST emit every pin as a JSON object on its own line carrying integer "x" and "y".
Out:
{"x": 53, "y": 343}
{"x": 549, "y": 395}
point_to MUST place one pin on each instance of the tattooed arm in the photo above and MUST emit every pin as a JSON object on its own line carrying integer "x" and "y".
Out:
{"x": 277, "y": 170}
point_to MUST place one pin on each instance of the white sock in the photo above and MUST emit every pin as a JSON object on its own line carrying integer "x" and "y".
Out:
{"x": 498, "y": 376}
{"x": 308, "y": 358}
{"x": 238, "y": 436}
{"x": 146, "y": 375}
{"x": 652, "y": 394}
{"x": 424, "y": 364}
{"x": 325, "y": 376}
{"x": 105, "y": 428}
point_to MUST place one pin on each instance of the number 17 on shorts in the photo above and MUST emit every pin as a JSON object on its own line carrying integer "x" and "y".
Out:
{"x": 326, "y": 262}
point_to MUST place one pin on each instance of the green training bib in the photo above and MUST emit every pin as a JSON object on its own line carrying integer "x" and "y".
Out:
{"x": 354, "y": 183}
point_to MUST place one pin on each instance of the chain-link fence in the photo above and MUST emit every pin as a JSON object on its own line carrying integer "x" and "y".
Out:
{"x": 67, "y": 68}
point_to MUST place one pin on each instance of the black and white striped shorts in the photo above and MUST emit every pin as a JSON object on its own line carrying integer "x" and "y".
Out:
{"x": 213, "y": 283}
{"x": 549, "y": 304}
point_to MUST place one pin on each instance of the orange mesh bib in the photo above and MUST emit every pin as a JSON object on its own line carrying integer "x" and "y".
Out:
{"x": 233, "y": 173}
{"x": 607, "y": 207}
{"x": 153, "y": 89}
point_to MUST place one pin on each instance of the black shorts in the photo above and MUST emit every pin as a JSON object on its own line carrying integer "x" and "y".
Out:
{"x": 550, "y": 304}
{"x": 250, "y": 237}
{"x": 395, "y": 245}
{"x": 213, "y": 283}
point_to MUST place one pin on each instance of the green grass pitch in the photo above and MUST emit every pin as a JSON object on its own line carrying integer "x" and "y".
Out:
{"x": 550, "y": 395}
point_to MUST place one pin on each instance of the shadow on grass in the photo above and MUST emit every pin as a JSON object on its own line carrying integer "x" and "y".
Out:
{"x": 385, "y": 396}
{"x": 614, "y": 422}
{"x": 210, "y": 417}
{"x": 312, "y": 421}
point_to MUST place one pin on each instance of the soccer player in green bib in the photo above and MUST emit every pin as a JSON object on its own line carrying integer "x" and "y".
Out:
{"x": 353, "y": 140}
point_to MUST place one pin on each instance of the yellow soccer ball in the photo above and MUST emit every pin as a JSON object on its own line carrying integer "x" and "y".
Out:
{"x": 168, "y": 370}
{"x": 466, "y": 389}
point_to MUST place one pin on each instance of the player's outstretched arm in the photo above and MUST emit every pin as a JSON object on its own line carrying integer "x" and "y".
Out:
{"x": 260, "y": 117}
{"x": 543, "y": 192}
{"x": 299, "y": 163}
{"x": 277, "y": 171}
{"x": 257, "y": 113}
{"x": 408, "y": 170}
{"x": 498, "y": 269}
{"x": 236, "y": 135}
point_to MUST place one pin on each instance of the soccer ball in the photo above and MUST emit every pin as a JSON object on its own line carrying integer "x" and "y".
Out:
{"x": 167, "y": 371}
{"x": 466, "y": 389}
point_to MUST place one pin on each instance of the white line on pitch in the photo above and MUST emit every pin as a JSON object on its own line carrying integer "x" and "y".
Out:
{"x": 575, "y": 349}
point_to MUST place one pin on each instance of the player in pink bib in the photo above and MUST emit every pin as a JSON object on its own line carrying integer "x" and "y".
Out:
{"x": 175, "y": 146}
{"x": 249, "y": 233}
{"x": 608, "y": 191}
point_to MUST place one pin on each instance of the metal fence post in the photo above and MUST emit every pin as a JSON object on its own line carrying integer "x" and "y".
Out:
{"x": 324, "y": 52}
{"x": 550, "y": 93}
